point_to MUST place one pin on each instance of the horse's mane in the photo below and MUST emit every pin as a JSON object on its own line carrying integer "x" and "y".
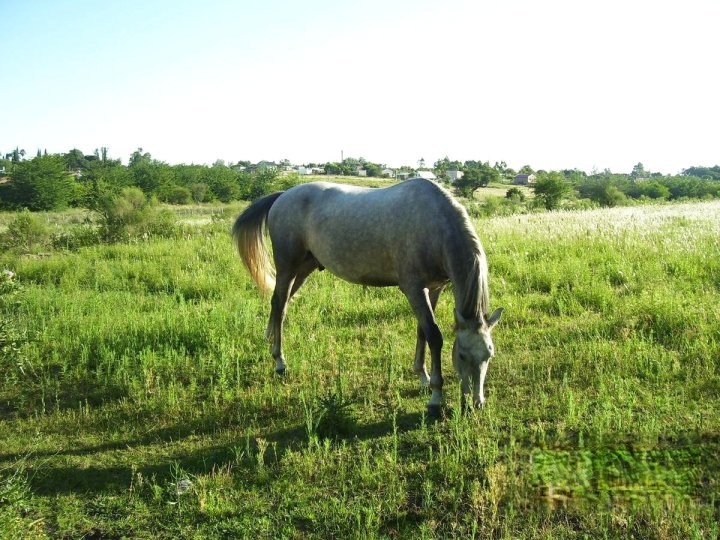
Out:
{"x": 476, "y": 302}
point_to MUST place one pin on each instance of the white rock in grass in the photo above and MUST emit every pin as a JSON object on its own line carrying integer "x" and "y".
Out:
{"x": 183, "y": 486}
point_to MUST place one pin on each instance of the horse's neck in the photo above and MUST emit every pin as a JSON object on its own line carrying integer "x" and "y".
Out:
{"x": 467, "y": 269}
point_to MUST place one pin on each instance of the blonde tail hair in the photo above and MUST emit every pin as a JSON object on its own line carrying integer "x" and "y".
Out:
{"x": 249, "y": 235}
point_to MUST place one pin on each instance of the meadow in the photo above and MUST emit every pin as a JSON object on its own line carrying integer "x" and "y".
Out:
{"x": 138, "y": 397}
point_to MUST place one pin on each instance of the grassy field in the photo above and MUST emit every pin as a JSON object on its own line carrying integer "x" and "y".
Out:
{"x": 138, "y": 399}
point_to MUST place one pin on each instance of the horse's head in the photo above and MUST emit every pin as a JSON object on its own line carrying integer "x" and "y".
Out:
{"x": 472, "y": 351}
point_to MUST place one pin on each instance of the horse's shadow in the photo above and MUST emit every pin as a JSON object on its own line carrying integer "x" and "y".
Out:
{"x": 46, "y": 478}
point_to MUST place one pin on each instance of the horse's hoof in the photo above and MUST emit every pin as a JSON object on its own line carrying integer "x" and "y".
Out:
{"x": 280, "y": 372}
{"x": 434, "y": 411}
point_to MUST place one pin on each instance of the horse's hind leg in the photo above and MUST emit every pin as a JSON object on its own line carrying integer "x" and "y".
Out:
{"x": 278, "y": 308}
{"x": 308, "y": 266}
{"x": 419, "y": 365}
{"x": 286, "y": 285}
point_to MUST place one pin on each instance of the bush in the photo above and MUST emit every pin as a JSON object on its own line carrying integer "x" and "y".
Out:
{"x": 131, "y": 215}
{"x": 26, "y": 233}
{"x": 651, "y": 190}
{"x": 76, "y": 237}
{"x": 175, "y": 195}
{"x": 199, "y": 192}
{"x": 515, "y": 194}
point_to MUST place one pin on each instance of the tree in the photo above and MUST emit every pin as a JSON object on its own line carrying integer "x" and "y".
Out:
{"x": 75, "y": 160}
{"x": 373, "y": 169}
{"x": 712, "y": 173}
{"x": 476, "y": 177}
{"x": 42, "y": 184}
{"x": 139, "y": 158}
{"x": 505, "y": 172}
{"x": 16, "y": 155}
{"x": 638, "y": 171}
{"x": 442, "y": 166}
{"x": 550, "y": 188}
{"x": 223, "y": 182}
{"x": 526, "y": 169}
{"x": 606, "y": 189}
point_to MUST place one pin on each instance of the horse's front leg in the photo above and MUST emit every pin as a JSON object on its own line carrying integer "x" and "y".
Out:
{"x": 420, "y": 302}
{"x": 419, "y": 364}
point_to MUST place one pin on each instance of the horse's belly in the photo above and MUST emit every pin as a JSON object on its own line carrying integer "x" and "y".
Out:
{"x": 362, "y": 274}
{"x": 372, "y": 279}
{"x": 356, "y": 265}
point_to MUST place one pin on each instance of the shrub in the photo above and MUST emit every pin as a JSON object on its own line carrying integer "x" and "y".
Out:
{"x": 652, "y": 190}
{"x": 175, "y": 194}
{"x": 76, "y": 237}
{"x": 130, "y": 215}
{"x": 515, "y": 194}
{"x": 26, "y": 233}
{"x": 199, "y": 192}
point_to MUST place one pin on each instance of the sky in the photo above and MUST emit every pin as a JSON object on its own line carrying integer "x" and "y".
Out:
{"x": 556, "y": 84}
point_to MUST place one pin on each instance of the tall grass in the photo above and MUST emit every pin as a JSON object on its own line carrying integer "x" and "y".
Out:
{"x": 138, "y": 398}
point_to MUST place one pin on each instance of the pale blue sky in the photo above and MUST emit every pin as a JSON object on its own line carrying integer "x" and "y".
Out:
{"x": 554, "y": 84}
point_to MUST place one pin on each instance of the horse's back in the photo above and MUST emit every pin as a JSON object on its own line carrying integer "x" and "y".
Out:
{"x": 364, "y": 235}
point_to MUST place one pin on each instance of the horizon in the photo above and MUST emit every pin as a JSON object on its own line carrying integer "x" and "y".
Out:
{"x": 429, "y": 164}
{"x": 555, "y": 86}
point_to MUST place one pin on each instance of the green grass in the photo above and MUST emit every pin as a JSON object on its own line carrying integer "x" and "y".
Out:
{"x": 497, "y": 189}
{"x": 127, "y": 370}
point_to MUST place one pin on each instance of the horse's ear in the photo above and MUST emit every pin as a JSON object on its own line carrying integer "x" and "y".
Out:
{"x": 493, "y": 319}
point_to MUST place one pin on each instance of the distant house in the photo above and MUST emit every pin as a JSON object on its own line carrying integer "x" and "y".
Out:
{"x": 361, "y": 171}
{"x": 388, "y": 173}
{"x": 524, "y": 179}
{"x": 267, "y": 166}
{"x": 454, "y": 175}
{"x": 427, "y": 175}
{"x": 304, "y": 171}
{"x": 403, "y": 175}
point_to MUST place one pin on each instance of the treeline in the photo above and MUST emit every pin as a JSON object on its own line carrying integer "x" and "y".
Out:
{"x": 617, "y": 189}
{"x": 57, "y": 181}
{"x": 610, "y": 189}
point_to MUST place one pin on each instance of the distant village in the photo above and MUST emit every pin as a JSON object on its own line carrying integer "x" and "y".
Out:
{"x": 361, "y": 170}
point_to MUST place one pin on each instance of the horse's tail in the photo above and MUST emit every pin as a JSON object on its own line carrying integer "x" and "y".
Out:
{"x": 249, "y": 235}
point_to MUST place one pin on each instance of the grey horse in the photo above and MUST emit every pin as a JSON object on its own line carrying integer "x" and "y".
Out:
{"x": 413, "y": 235}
